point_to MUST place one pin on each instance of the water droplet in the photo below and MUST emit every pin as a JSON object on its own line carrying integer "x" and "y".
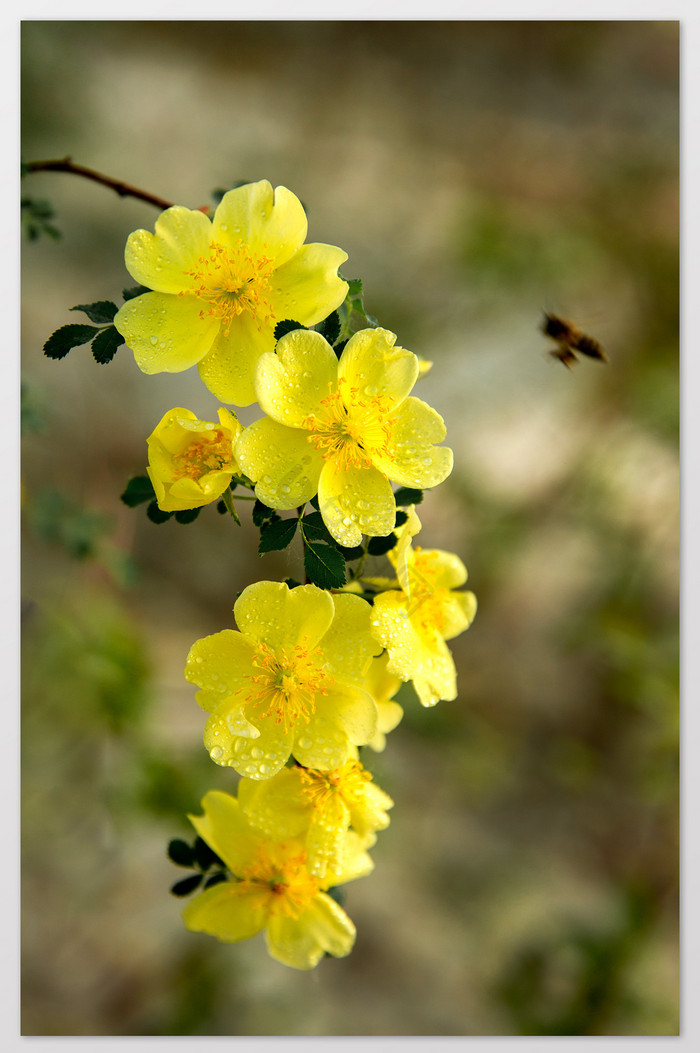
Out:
{"x": 216, "y": 753}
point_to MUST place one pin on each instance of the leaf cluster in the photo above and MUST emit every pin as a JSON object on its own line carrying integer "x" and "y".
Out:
{"x": 36, "y": 216}
{"x": 199, "y": 857}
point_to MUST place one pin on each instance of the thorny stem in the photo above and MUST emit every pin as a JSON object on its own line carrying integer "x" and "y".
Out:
{"x": 123, "y": 189}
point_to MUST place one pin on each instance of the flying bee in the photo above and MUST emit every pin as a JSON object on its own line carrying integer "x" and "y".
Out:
{"x": 570, "y": 339}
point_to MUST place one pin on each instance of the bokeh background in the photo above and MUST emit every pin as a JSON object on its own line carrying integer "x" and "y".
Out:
{"x": 477, "y": 173}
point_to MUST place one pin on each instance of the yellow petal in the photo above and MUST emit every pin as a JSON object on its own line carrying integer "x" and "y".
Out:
{"x": 355, "y": 501}
{"x": 281, "y": 617}
{"x": 228, "y": 369}
{"x": 344, "y": 717}
{"x": 392, "y": 628}
{"x": 411, "y": 459}
{"x": 325, "y": 839}
{"x": 166, "y": 333}
{"x": 437, "y": 678}
{"x": 373, "y": 366}
{"x": 348, "y": 645}
{"x": 263, "y": 757}
{"x": 301, "y": 942}
{"x": 283, "y": 464}
{"x": 276, "y": 806}
{"x": 226, "y": 830}
{"x": 220, "y": 665}
{"x": 227, "y": 912}
{"x": 159, "y": 261}
{"x": 307, "y": 288}
{"x": 272, "y": 223}
{"x": 458, "y": 613}
{"x": 291, "y": 383}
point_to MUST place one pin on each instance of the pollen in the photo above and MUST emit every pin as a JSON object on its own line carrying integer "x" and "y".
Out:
{"x": 282, "y": 881}
{"x": 230, "y": 281}
{"x": 203, "y": 455}
{"x": 351, "y": 425}
{"x": 285, "y": 683}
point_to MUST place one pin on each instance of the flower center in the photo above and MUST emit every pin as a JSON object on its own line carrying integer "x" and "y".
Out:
{"x": 286, "y": 684}
{"x": 349, "y": 782}
{"x": 283, "y": 882}
{"x": 351, "y": 425}
{"x": 210, "y": 454}
{"x": 231, "y": 281}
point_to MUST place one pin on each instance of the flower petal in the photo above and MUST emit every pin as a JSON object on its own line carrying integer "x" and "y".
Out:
{"x": 220, "y": 665}
{"x": 349, "y": 645}
{"x": 373, "y": 366}
{"x": 228, "y": 369}
{"x": 283, "y": 464}
{"x": 344, "y": 717}
{"x": 355, "y": 500}
{"x": 307, "y": 288}
{"x": 291, "y": 383}
{"x": 411, "y": 459}
{"x": 301, "y": 942}
{"x": 392, "y": 628}
{"x": 166, "y": 333}
{"x": 458, "y": 612}
{"x": 263, "y": 757}
{"x": 437, "y": 678}
{"x": 276, "y": 806}
{"x": 281, "y": 617}
{"x": 226, "y": 830}
{"x": 160, "y": 261}
{"x": 228, "y": 912}
{"x": 272, "y": 223}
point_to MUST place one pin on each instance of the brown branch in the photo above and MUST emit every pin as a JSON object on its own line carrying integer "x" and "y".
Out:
{"x": 123, "y": 189}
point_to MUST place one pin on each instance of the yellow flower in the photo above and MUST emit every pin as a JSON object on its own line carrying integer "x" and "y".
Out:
{"x": 382, "y": 686}
{"x": 320, "y": 807}
{"x": 190, "y": 461}
{"x": 271, "y": 890}
{"x": 288, "y": 682}
{"x": 220, "y": 286}
{"x": 343, "y": 429}
{"x": 414, "y": 622}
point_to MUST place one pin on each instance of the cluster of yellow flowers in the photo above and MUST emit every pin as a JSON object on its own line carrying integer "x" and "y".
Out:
{"x": 308, "y": 677}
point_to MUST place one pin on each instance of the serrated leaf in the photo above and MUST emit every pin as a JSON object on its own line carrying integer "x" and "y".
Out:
{"x": 187, "y": 885}
{"x": 104, "y": 346}
{"x": 261, "y": 513}
{"x": 324, "y": 565}
{"x": 287, "y": 326}
{"x": 406, "y": 496}
{"x": 134, "y": 291}
{"x": 276, "y": 535}
{"x": 314, "y": 529}
{"x": 329, "y": 328}
{"x": 101, "y": 311}
{"x": 68, "y": 336}
{"x": 156, "y": 515}
{"x": 138, "y": 489}
{"x": 379, "y": 546}
{"x": 180, "y": 852}
{"x": 354, "y": 287}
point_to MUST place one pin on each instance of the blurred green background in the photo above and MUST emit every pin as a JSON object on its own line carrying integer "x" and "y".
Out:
{"x": 477, "y": 173}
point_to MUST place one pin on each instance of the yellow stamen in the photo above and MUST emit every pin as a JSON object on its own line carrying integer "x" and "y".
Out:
{"x": 232, "y": 280}
{"x": 351, "y": 426}
{"x": 203, "y": 455}
{"x": 349, "y": 782}
{"x": 283, "y": 883}
{"x": 286, "y": 686}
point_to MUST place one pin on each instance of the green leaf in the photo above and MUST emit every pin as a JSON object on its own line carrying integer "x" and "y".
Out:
{"x": 324, "y": 565}
{"x": 349, "y": 554}
{"x": 221, "y": 508}
{"x": 314, "y": 529}
{"x": 187, "y": 515}
{"x": 138, "y": 489}
{"x": 187, "y": 885}
{"x": 204, "y": 856}
{"x": 406, "y": 496}
{"x": 215, "y": 879}
{"x": 134, "y": 291}
{"x": 276, "y": 534}
{"x": 291, "y": 583}
{"x": 355, "y": 301}
{"x": 104, "y": 346}
{"x": 378, "y": 546}
{"x": 101, "y": 311}
{"x": 181, "y": 853}
{"x": 156, "y": 515}
{"x": 287, "y": 326}
{"x": 261, "y": 513}
{"x": 329, "y": 328}
{"x": 68, "y": 336}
